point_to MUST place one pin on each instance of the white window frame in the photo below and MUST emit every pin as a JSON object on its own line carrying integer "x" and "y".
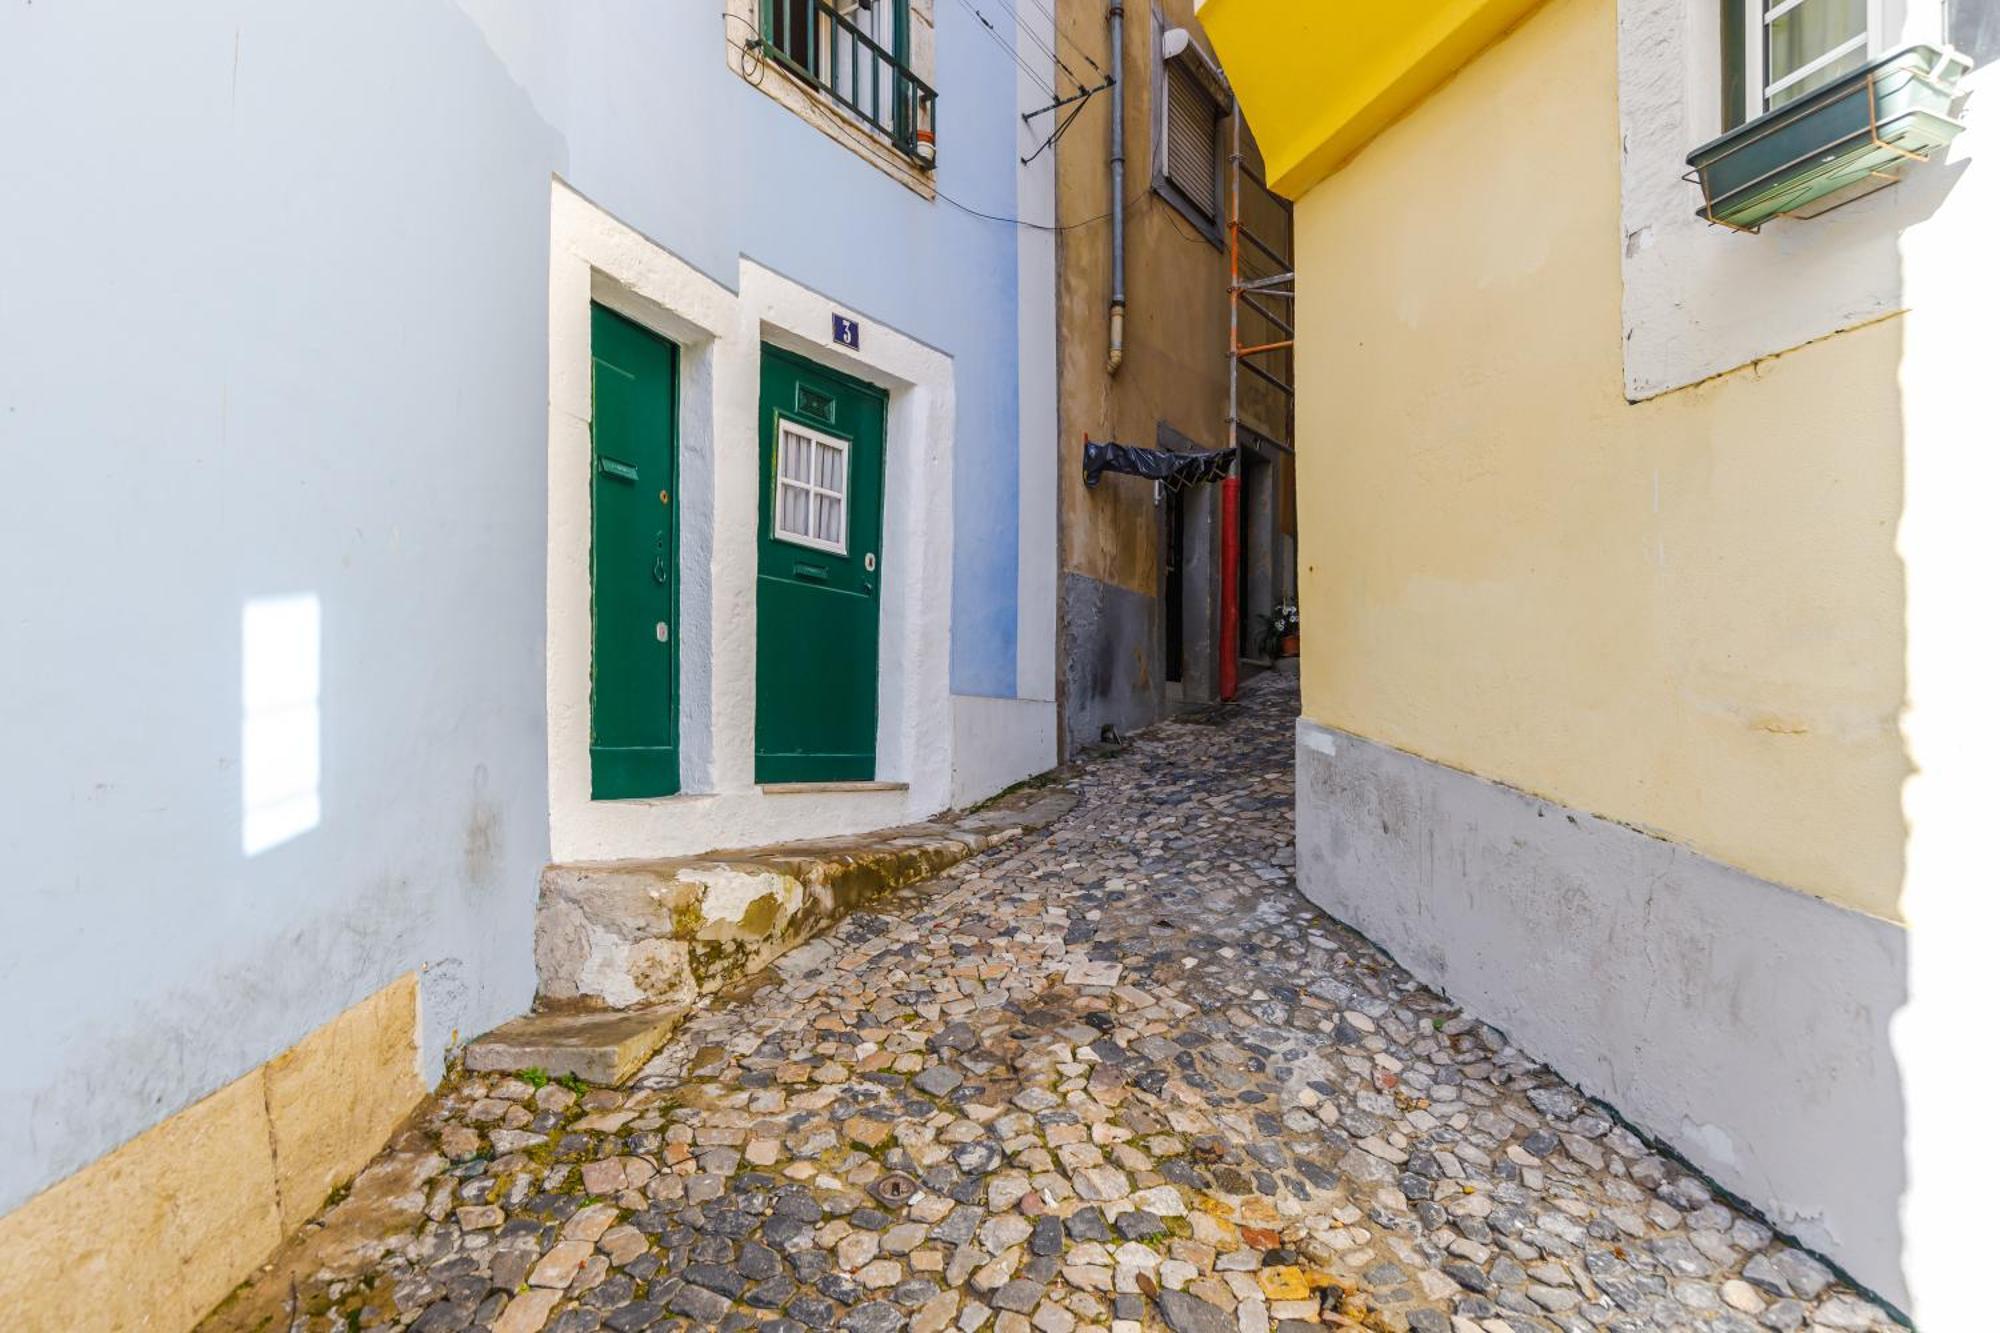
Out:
{"x": 1756, "y": 51}
{"x": 811, "y": 487}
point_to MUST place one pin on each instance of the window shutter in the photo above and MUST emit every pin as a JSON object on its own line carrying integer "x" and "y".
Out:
{"x": 1191, "y": 116}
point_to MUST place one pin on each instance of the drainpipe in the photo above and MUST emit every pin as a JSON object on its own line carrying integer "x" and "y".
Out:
{"x": 1117, "y": 356}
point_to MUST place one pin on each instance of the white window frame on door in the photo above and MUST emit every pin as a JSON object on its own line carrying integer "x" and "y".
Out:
{"x": 1757, "y": 18}
{"x": 819, "y": 439}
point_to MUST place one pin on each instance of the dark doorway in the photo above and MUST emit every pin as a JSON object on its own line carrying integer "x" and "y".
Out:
{"x": 1245, "y": 619}
{"x": 1176, "y": 549}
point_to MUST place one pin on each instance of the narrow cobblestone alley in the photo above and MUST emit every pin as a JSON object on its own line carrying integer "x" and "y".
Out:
{"x": 1117, "y": 1075}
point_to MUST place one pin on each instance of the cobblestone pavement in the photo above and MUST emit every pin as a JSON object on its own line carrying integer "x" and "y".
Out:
{"x": 1116, "y": 1076}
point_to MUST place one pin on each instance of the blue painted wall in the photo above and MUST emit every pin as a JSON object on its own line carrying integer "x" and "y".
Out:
{"x": 665, "y": 136}
{"x": 273, "y": 309}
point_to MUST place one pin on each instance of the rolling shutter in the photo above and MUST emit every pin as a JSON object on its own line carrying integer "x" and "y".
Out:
{"x": 1190, "y": 136}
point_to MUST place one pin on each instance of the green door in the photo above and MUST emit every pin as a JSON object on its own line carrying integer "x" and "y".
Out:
{"x": 819, "y": 544}
{"x": 634, "y": 562}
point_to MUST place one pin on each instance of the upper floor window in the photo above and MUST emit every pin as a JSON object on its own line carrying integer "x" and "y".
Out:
{"x": 1191, "y": 102}
{"x": 1776, "y": 51}
{"x": 858, "y": 52}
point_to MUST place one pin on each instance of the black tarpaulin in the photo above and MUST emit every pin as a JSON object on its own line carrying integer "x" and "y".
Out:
{"x": 1156, "y": 464}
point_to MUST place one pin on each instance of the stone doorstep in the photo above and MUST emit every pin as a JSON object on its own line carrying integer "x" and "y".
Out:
{"x": 605, "y": 1047}
{"x": 643, "y": 933}
{"x": 624, "y": 948}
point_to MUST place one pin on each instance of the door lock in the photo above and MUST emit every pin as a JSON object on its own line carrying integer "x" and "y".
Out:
{"x": 660, "y": 632}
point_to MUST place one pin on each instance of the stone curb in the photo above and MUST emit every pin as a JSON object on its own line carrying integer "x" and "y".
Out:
{"x": 624, "y": 948}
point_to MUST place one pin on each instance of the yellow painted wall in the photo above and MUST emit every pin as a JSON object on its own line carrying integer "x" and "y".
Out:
{"x": 1685, "y": 614}
{"x": 153, "y": 1234}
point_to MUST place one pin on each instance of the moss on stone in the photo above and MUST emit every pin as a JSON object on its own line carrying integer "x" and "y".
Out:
{"x": 761, "y": 915}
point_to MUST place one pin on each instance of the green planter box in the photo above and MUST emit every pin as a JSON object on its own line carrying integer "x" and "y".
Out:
{"x": 1892, "y": 111}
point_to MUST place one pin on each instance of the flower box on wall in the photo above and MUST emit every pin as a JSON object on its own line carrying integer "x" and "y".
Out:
{"x": 1892, "y": 111}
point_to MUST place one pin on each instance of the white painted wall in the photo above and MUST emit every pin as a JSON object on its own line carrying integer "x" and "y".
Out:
{"x": 721, "y": 333}
{"x": 280, "y": 318}
{"x": 272, "y": 293}
{"x": 1035, "y": 202}
{"x": 998, "y": 741}
{"x": 1950, "y": 547}
{"x": 1702, "y": 299}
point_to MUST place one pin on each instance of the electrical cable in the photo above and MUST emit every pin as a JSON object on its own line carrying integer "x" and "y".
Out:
{"x": 1061, "y": 36}
{"x": 843, "y": 129}
{"x": 1022, "y": 26}
{"x": 993, "y": 33}
{"x": 1138, "y": 197}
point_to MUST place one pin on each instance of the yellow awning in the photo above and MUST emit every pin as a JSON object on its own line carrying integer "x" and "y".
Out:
{"x": 1318, "y": 79}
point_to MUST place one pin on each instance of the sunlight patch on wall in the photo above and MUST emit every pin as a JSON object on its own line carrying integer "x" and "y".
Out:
{"x": 280, "y": 719}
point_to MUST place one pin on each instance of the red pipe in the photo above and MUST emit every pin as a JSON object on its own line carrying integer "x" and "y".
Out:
{"x": 1226, "y": 676}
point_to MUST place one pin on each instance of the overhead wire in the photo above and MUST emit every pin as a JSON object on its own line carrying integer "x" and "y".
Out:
{"x": 1139, "y": 196}
{"x": 1075, "y": 47}
{"x": 749, "y": 55}
{"x": 1013, "y": 52}
{"x": 1028, "y": 30}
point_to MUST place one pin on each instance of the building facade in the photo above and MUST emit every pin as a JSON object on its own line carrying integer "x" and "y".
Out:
{"x": 1145, "y": 351}
{"x": 522, "y": 434}
{"x": 1637, "y": 714}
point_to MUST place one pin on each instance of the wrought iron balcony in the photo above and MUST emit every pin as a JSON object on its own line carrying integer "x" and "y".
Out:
{"x": 820, "y": 41}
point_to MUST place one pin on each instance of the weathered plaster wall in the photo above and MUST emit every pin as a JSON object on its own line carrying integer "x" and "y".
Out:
{"x": 627, "y": 82}
{"x": 1684, "y": 614}
{"x": 1700, "y": 300}
{"x": 277, "y": 299}
{"x": 276, "y": 290}
{"x": 1175, "y": 373}
{"x": 1112, "y": 666}
{"x": 154, "y": 1233}
{"x": 1176, "y": 323}
{"x": 1741, "y": 1022}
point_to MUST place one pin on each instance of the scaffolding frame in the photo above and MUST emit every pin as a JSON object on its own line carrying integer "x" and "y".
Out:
{"x": 1252, "y": 293}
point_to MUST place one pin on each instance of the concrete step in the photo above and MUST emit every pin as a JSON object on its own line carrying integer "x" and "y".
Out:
{"x": 599, "y": 1046}
{"x": 638, "y": 934}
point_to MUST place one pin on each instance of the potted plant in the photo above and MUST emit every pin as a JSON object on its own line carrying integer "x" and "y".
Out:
{"x": 1279, "y": 634}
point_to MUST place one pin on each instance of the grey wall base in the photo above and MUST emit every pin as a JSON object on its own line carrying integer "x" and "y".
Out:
{"x": 1741, "y": 1022}
{"x": 1111, "y": 659}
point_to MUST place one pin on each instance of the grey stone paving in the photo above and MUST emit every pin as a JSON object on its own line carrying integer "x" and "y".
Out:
{"x": 1117, "y": 1076}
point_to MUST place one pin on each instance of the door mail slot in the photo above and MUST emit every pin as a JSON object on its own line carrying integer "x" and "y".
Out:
{"x": 613, "y": 467}
{"x": 802, "y": 570}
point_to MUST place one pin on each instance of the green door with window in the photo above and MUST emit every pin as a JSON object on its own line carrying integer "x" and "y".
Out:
{"x": 819, "y": 575}
{"x": 634, "y": 562}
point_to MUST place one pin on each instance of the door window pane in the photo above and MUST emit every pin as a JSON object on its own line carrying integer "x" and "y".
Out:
{"x": 811, "y": 501}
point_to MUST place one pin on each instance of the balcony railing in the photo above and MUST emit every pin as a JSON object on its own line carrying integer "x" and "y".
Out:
{"x": 868, "y": 80}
